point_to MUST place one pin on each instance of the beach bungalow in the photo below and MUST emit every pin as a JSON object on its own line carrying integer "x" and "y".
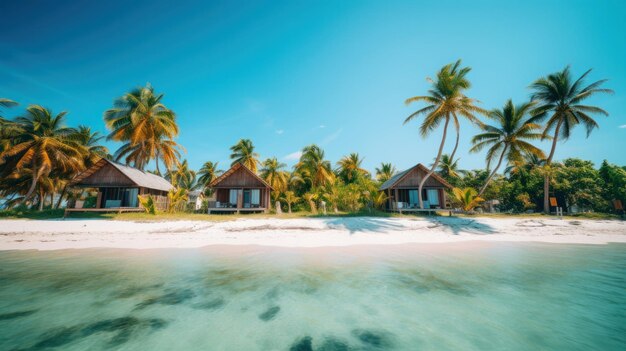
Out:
{"x": 118, "y": 187}
{"x": 239, "y": 190}
{"x": 402, "y": 190}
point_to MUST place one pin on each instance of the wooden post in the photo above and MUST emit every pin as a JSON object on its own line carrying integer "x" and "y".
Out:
{"x": 395, "y": 199}
{"x": 99, "y": 199}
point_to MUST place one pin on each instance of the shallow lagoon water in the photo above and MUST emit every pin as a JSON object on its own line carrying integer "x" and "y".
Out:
{"x": 470, "y": 296}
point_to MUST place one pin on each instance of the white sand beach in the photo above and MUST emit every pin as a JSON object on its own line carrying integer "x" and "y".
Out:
{"x": 302, "y": 232}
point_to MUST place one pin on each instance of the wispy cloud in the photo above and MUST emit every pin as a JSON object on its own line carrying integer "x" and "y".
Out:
{"x": 31, "y": 80}
{"x": 279, "y": 131}
{"x": 622, "y": 126}
{"x": 293, "y": 156}
{"x": 331, "y": 137}
{"x": 255, "y": 106}
{"x": 321, "y": 126}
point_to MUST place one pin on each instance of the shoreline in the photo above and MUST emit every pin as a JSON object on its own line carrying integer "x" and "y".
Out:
{"x": 301, "y": 232}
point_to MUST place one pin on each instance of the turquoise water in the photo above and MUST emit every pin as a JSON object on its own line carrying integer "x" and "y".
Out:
{"x": 506, "y": 296}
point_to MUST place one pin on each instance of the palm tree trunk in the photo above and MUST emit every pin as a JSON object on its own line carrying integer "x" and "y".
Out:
{"x": 33, "y": 184}
{"x": 456, "y": 146}
{"x": 484, "y": 187}
{"x": 42, "y": 199}
{"x": 546, "y": 177}
{"x": 61, "y": 197}
{"x": 289, "y": 206}
{"x": 434, "y": 166}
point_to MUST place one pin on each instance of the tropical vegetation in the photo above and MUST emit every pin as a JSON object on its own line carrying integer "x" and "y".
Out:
{"x": 40, "y": 154}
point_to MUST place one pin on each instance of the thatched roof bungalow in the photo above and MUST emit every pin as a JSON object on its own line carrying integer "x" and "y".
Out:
{"x": 119, "y": 185}
{"x": 402, "y": 190}
{"x": 240, "y": 190}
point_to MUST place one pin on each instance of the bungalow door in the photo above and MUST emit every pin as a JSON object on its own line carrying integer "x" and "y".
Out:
{"x": 433, "y": 197}
{"x": 234, "y": 197}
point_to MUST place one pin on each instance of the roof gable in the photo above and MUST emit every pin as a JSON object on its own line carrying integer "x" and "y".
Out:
{"x": 239, "y": 176}
{"x": 411, "y": 178}
{"x": 106, "y": 172}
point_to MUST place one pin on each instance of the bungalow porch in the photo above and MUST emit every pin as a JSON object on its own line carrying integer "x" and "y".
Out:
{"x": 239, "y": 190}
{"x": 402, "y": 191}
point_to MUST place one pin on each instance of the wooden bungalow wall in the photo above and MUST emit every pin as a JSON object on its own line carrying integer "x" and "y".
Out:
{"x": 241, "y": 178}
{"x": 413, "y": 179}
{"x": 107, "y": 176}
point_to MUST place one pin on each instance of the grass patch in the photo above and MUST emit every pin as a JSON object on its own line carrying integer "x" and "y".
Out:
{"x": 183, "y": 216}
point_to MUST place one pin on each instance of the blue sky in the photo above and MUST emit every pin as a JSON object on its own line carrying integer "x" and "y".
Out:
{"x": 288, "y": 74}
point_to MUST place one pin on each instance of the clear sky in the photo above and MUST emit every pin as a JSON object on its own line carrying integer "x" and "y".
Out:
{"x": 290, "y": 73}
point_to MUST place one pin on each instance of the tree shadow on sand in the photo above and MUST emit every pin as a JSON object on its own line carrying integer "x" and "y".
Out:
{"x": 362, "y": 224}
{"x": 453, "y": 225}
{"x": 456, "y": 225}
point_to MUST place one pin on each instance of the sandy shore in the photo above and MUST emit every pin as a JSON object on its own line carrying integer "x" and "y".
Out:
{"x": 303, "y": 232}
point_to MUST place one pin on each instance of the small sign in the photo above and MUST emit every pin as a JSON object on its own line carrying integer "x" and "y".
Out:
{"x": 553, "y": 202}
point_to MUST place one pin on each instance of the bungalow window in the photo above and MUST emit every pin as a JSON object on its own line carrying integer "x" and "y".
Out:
{"x": 232, "y": 198}
{"x": 433, "y": 197}
{"x": 413, "y": 197}
{"x": 255, "y": 197}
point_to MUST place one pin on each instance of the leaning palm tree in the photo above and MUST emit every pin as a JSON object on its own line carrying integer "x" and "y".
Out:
{"x": 243, "y": 152}
{"x": 207, "y": 173}
{"x": 509, "y": 138}
{"x": 140, "y": 119}
{"x": 314, "y": 168}
{"x": 560, "y": 102}
{"x": 43, "y": 145}
{"x": 446, "y": 102}
{"x": 350, "y": 167}
{"x": 385, "y": 172}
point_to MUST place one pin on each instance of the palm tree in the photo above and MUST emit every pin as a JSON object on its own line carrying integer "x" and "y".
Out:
{"x": 93, "y": 152}
{"x": 385, "y": 172}
{"x": 207, "y": 173}
{"x": 243, "y": 152}
{"x": 8, "y": 129}
{"x": 332, "y": 195}
{"x": 310, "y": 199}
{"x": 467, "y": 197}
{"x": 91, "y": 142}
{"x": 448, "y": 168}
{"x": 273, "y": 173}
{"x": 183, "y": 177}
{"x": 313, "y": 166}
{"x": 446, "y": 101}
{"x": 529, "y": 162}
{"x": 148, "y": 127}
{"x": 350, "y": 167}
{"x": 559, "y": 100}
{"x": 509, "y": 139}
{"x": 6, "y": 103}
{"x": 290, "y": 198}
{"x": 138, "y": 155}
{"x": 43, "y": 145}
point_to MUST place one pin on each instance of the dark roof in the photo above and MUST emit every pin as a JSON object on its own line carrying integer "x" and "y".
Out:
{"x": 397, "y": 177}
{"x": 139, "y": 177}
{"x": 232, "y": 170}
